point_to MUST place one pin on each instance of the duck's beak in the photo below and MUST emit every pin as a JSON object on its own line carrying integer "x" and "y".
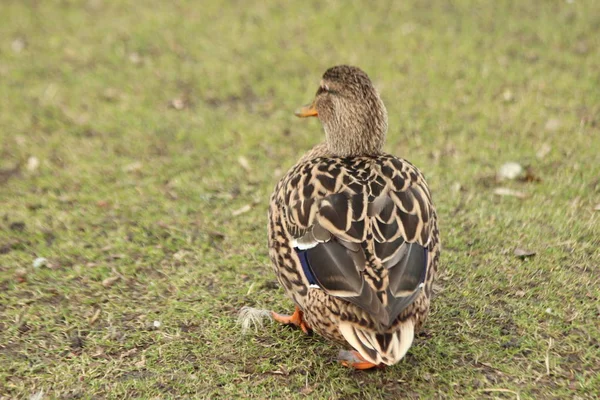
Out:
{"x": 308, "y": 110}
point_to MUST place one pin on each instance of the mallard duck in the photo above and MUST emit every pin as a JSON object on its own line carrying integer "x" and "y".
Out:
{"x": 353, "y": 233}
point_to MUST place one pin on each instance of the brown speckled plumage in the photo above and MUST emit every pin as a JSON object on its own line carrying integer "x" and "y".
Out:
{"x": 365, "y": 223}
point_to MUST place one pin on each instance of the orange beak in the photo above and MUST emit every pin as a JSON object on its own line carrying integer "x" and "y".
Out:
{"x": 308, "y": 110}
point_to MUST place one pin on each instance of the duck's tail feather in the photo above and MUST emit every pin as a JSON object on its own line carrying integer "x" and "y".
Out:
{"x": 387, "y": 348}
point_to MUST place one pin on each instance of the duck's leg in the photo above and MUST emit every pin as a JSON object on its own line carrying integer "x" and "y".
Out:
{"x": 353, "y": 359}
{"x": 294, "y": 319}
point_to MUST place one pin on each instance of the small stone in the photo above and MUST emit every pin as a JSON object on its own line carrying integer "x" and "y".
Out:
{"x": 178, "y": 103}
{"x": 108, "y": 282}
{"x": 244, "y": 163}
{"x": 508, "y": 96}
{"x": 40, "y": 262}
{"x": 18, "y": 45}
{"x": 523, "y": 253}
{"x": 32, "y": 164}
{"x": 510, "y": 170}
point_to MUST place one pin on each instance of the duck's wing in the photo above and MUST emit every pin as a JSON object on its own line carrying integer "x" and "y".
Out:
{"x": 360, "y": 228}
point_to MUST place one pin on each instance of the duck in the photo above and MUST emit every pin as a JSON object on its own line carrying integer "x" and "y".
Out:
{"x": 352, "y": 231}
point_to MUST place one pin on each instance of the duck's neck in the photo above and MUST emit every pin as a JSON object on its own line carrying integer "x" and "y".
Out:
{"x": 358, "y": 130}
{"x": 353, "y": 140}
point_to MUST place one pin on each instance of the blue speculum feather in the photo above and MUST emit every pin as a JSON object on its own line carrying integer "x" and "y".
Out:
{"x": 303, "y": 256}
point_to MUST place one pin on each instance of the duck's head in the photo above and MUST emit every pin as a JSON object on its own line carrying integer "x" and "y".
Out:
{"x": 351, "y": 111}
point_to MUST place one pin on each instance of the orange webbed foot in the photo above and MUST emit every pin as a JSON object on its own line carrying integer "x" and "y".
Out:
{"x": 353, "y": 359}
{"x": 295, "y": 319}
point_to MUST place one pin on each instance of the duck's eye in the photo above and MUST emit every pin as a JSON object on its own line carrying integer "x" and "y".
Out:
{"x": 323, "y": 88}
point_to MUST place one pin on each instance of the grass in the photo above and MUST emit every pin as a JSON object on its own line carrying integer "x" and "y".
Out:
{"x": 122, "y": 125}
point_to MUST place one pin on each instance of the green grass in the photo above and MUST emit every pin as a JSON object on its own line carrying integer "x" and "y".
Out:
{"x": 130, "y": 187}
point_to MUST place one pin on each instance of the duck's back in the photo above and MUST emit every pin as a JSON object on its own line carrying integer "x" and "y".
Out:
{"x": 359, "y": 235}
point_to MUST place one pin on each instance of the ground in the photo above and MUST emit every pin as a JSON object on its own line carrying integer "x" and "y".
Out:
{"x": 139, "y": 143}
